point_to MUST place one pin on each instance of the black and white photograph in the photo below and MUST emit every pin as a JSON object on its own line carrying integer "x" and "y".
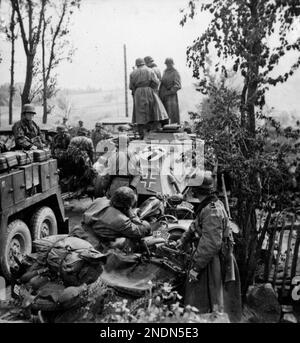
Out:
{"x": 149, "y": 166}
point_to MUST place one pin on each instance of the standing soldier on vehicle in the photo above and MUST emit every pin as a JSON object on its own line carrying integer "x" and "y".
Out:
{"x": 26, "y": 131}
{"x": 213, "y": 282}
{"x": 170, "y": 85}
{"x": 150, "y": 64}
{"x": 148, "y": 110}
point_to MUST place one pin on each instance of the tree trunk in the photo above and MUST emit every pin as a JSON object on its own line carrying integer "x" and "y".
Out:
{"x": 255, "y": 252}
{"x": 251, "y": 98}
{"x": 247, "y": 224}
{"x": 12, "y": 66}
{"x": 44, "y": 74}
{"x": 28, "y": 81}
{"x": 253, "y": 67}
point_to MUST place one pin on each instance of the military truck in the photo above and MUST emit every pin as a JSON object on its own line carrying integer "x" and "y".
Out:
{"x": 31, "y": 207}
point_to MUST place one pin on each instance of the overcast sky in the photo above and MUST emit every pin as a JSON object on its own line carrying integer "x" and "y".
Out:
{"x": 147, "y": 27}
{"x": 99, "y": 30}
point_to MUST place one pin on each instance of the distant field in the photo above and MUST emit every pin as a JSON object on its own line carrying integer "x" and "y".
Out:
{"x": 101, "y": 106}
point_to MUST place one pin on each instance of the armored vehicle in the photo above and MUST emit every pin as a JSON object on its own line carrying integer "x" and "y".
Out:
{"x": 167, "y": 162}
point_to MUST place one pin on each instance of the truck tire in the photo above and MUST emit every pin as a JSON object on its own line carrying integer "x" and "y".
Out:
{"x": 43, "y": 223}
{"x": 16, "y": 241}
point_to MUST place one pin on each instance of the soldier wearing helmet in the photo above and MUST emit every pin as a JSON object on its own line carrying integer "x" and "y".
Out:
{"x": 206, "y": 238}
{"x": 148, "y": 110}
{"x": 99, "y": 134}
{"x": 60, "y": 142}
{"x": 150, "y": 64}
{"x": 170, "y": 85}
{"x": 26, "y": 131}
{"x": 114, "y": 222}
{"x": 81, "y": 130}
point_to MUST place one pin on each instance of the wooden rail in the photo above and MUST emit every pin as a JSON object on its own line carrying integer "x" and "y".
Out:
{"x": 282, "y": 258}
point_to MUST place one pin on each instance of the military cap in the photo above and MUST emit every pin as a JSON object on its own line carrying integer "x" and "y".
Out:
{"x": 28, "y": 108}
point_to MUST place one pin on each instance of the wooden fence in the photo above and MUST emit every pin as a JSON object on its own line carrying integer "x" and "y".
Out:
{"x": 283, "y": 259}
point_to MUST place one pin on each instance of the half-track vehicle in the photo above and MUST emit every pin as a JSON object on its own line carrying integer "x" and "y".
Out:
{"x": 31, "y": 205}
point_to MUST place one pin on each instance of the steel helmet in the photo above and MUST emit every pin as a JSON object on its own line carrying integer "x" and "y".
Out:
{"x": 148, "y": 59}
{"x": 205, "y": 188}
{"x": 139, "y": 62}
{"x": 169, "y": 60}
{"x": 28, "y": 108}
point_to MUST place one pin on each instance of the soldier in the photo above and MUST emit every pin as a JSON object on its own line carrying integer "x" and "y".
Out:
{"x": 26, "y": 131}
{"x": 213, "y": 282}
{"x": 60, "y": 142}
{"x": 83, "y": 144}
{"x": 150, "y": 64}
{"x": 99, "y": 134}
{"x": 81, "y": 130}
{"x": 64, "y": 123}
{"x": 170, "y": 85}
{"x": 114, "y": 222}
{"x": 148, "y": 110}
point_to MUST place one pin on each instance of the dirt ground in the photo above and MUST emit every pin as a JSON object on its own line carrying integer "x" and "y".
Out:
{"x": 74, "y": 210}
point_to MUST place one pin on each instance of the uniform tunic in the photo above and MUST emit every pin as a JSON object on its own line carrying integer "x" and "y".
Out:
{"x": 169, "y": 86}
{"x": 208, "y": 293}
{"x": 99, "y": 135}
{"x": 27, "y": 133}
{"x": 60, "y": 144}
{"x": 147, "y": 105}
{"x": 107, "y": 223}
{"x": 83, "y": 144}
{"x": 157, "y": 72}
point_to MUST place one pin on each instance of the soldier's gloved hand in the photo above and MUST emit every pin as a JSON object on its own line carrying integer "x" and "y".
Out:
{"x": 33, "y": 147}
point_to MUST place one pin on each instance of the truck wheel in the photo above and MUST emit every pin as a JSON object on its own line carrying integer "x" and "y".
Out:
{"x": 43, "y": 223}
{"x": 16, "y": 242}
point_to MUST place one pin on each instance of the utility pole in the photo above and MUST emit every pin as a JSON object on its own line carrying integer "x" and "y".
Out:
{"x": 126, "y": 86}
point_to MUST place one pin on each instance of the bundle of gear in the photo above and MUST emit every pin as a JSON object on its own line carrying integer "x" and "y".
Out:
{"x": 56, "y": 277}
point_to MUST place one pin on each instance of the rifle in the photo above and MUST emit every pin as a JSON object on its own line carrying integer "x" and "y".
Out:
{"x": 227, "y": 257}
{"x": 232, "y": 225}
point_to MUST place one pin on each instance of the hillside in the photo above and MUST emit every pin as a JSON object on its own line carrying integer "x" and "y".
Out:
{"x": 100, "y": 106}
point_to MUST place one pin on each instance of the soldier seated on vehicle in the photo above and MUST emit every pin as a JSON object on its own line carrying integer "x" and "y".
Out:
{"x": 114, "y": 223}
{"x": 27, "y": 133}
